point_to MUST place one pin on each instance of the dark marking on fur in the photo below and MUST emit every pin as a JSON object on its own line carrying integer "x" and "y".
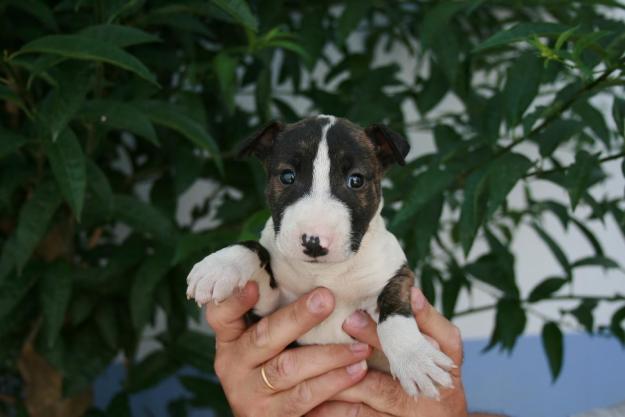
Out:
{"x": 294, "y": 148}
{"x": 264, "y": 257}
{"x": 352, "y": 152}
{"x": 390, "y": 146}
{"x": 395, "y": 297}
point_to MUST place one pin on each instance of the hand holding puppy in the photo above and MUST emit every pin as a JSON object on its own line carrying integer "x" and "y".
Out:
{"x": 259, "y": 377}
{"x": 378, "y": 394}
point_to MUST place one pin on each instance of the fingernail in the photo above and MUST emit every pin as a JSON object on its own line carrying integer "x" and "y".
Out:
{"x": 417, "y": 298}
{"x": 356, "y": 368}
{"x": 359, "y": 347}
{"x": 316, "y": 302}
{"x": 357, "y": 320}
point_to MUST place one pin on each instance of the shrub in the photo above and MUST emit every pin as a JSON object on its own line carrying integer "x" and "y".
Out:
{"x": 112, "y": 110}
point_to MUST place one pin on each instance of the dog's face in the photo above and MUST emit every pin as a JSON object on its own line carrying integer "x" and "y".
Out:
{"x": 323, "y": 184}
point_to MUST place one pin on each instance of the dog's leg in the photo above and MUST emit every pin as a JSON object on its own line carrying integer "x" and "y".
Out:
{"x": 417, "y": 364}
{"x": 215, "y": 277}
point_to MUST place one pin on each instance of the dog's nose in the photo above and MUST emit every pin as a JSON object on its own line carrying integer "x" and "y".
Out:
{"x": 315, "y": 246}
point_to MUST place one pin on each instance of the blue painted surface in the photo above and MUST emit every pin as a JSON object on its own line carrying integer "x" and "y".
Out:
{"x": 519, "y": 385}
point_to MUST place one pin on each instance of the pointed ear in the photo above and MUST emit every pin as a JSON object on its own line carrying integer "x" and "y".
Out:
{"x": 261, "y": 142}
{"x": 391, "y": 146}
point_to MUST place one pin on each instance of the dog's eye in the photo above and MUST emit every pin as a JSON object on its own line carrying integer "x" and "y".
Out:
{"x": 355, "y": 181}
{"x": 287, "y": 177}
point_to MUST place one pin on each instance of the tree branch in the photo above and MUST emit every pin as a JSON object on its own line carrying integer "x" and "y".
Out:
{"x": 550, "y": 171}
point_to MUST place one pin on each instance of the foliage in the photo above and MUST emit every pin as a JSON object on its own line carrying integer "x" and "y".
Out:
{"x": 112, "y": 110}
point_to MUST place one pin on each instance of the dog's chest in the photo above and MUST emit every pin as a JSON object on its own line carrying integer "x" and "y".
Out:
{"x": 355, "y": 284}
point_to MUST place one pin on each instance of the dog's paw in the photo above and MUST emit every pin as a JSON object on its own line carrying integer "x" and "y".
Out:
{"x": 215, "y": 277}
{"x": 419, "y": 366}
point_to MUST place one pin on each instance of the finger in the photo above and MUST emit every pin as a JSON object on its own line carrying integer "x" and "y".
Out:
{"x": 273, "y": 333}
{"x": 293, "y": 366}
{"x": 226, "y": 318}
{"x": 361, "y": 326}
{"x": 437, "y": 326}
{"x": 381, "y": 392}
{"x": 308, "y": 394}
{"x": 345, "y": 409}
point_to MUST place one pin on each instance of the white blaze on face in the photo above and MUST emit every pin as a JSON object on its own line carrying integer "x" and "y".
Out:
{"x": 317, "y": 213}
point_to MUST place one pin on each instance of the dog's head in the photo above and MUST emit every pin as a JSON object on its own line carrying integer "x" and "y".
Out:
{"x": 323, "y": 184}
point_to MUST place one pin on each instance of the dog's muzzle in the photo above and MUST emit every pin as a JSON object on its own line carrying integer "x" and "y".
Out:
{"x": 314, "y": 246}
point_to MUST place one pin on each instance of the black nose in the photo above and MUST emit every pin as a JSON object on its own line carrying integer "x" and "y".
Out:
{"x": 312, "y": 247}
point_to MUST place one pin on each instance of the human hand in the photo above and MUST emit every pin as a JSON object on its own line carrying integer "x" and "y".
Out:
{"x": 303, "y": 377}
{"x": 378, "y": 394}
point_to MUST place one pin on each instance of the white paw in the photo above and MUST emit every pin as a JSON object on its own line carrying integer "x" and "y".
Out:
{"x": 215, "y": 277}
{"x": 419, "y": 366}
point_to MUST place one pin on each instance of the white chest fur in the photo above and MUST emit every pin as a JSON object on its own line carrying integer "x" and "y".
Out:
{"x": 355, "y": 283}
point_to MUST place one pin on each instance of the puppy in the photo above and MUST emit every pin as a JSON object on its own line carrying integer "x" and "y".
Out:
{"x": 326, "y": 230}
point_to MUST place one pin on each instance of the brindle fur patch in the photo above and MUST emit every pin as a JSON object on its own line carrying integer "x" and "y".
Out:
{"x": 264, "y": 257}
{"x": 395, "y": 297}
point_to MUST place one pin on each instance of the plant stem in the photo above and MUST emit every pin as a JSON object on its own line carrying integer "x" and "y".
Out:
{"x": 550, "y": 171}
{"x": 607, "y": 298}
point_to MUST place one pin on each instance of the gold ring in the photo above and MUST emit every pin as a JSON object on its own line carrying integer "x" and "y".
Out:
{"x": 266, "y": 380}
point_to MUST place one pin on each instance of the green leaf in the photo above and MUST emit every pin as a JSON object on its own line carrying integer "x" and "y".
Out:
{"x": 424, "y": 227}
{"x": 615, "y": 325}
{"x": 579, "y": 176}
{"x": 151, "y": 271}
{"x": 554, "y": 348}
{"x": 154, "y": 368}
{"x": 427, "y": 278}
{"x": 108, "y": 324}
{"x": 89, "y": 49}
{"x": 38, "y": 9}
{"x": 556, "y": 134}
{"x": 555, "y": 249}
{"x": 55, "y": 289}
{"x": 510, "y": 321}
{"x": 473, "y": 208}
{"x": 520, "y": 32}
{"x": 118, "y": 35}
{"x": 497, "y": 270}
{"x": 173, "y": 117}
{"x": 68, "y": 165}
{"x": 99, "y": 188}
{"x": 434, "y": 89}
{"x": 589, "y": 236}
{"x": 119, "y": 115}
{"x": 583, "y": 314}
{"x": 10, "y": 142}
{"x": 239, "y": 11}
{"x": 195, "y": 349}
{"x": 225, "y": 69}
{"x": 143, "y": 218}
{"x": 33, "y": 220}
{"x": 618, "y": 113}
{"x": 353, "y": 13}
{"x": 595, "y": 120}
{"x": 602, "y": 261}
{"x": 62, "y": 104}
{"x": 12, "y": 291}
{"x": 426, "y": 186}
{"x": 545, "y": 289}
{"x": 503, "y": 174}
{"x": 522, "y": 85}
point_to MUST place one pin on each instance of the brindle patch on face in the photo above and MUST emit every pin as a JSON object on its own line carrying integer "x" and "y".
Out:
{"x": 294, "y": 148}
{"x": 352, "y": 152}
{"x": 395, "y": 297}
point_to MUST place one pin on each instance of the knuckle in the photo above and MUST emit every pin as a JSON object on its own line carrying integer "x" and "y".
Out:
{"x": 302, "y": 394}
{"x": 285, "y": 365}
{"x": 220, "y": 366}
{"x": 260, "y": 333}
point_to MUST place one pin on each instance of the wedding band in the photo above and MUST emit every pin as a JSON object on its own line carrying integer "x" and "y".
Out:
{"x": 266, "y": 380}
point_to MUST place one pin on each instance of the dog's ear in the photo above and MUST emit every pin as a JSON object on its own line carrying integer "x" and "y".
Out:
{"x": 261, "y": 142}
{"x": 390, "y": 145}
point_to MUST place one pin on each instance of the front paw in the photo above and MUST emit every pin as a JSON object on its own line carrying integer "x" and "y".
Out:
{"x": 416, "y": 363}
{"x": 215, "y": 277}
